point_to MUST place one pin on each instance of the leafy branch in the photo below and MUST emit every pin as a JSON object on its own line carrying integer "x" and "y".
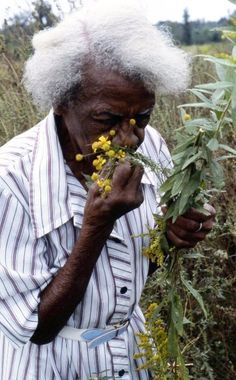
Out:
{"x": 196, "y": 176}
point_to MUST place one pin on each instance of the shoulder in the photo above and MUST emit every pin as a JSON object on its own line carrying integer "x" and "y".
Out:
{"x": 15, "y": 165}
{"x": 17, "y": 149}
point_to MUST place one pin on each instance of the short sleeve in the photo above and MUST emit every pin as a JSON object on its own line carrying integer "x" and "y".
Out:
{"x": 24, "y": 272}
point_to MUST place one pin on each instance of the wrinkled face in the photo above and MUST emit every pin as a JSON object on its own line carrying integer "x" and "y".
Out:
{"x": 109, "y": 101}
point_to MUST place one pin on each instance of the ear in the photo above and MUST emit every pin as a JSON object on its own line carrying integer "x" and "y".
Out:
{"x": 59, "y": 110}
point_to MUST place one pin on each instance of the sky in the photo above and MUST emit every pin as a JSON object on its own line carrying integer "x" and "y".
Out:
{"x": 157, "y": 10}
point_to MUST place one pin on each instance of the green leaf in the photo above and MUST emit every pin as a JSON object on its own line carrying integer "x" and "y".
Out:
{"x": 187, "y": 321}
{"x": 221, "y": 61}
{"x": 180, "y": 181}
{"x": 225, "y": 157}
{"x": 164, "y": 243}
{"x": 233, "y": 1}
{"x": 202, "y": 105}
{"x": 233, "y": 105}
{"x": 205, "y": 124}
{"x": 189, "y": 189}
{"x": 192, "y": 159}
{"x": 234, "y": 50}
{"x": 213, "y": 144}
{"x": 178, "y": 157}
{"x": 195, "y": 255}
{"x": 166, "y": 197}
{"x": 217, "y": 174}
{"x": 185, "y": 145}
{"x": 183, "y": 373}
{"x": 227, "y": 148}
{"x": 216, "y": 85}
{"x": 200, "y": 95}
{"x": 194, "y": 293}
{"x": 183, "y": 205}
{"x": 173, "y": 348}
{"x": 177, "y": 313}
{"x": 167, "y": 185}
{"x": 221, "y": 71}
{"x": 217, "y": 95}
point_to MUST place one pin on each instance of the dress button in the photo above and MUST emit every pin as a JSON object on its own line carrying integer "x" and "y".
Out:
{"x": 123, "y": 290}
{"x": 121, "y": 372}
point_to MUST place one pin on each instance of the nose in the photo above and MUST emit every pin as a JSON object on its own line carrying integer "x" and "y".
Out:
{"x": 126, "y": 135}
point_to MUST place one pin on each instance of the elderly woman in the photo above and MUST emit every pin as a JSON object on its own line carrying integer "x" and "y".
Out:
{"x": 71, "y": 275}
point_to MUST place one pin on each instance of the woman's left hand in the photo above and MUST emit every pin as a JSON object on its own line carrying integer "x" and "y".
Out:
{"x": 190, "y": 228}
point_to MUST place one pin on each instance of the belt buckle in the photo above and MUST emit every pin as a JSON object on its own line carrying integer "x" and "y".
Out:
{"x": 120, "y": 324}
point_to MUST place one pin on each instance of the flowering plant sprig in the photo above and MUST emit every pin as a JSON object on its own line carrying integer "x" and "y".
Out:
{"x": 197, "y": 174}
{"x": 107, "y": 156}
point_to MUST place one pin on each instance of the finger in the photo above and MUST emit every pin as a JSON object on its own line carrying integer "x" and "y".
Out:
{"x": 192, "y": 225}
{"x": 210, "y": 209}
{"x": 183, "y": 234}
{"x": 164, "y": 209}
{"x": 185, "y": 223}
{"x": 198, "y": 216}
{"x": 121, "y": 174}
{"x": 208, "y": 225}
{"x": 178, "y": 242}
{"x": 134, "y": 182}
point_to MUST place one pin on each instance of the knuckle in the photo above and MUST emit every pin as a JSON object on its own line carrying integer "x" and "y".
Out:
{"x": 193, "y": 226}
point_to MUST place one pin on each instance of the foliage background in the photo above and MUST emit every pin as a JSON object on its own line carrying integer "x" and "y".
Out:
{"x": 212, "y": 350}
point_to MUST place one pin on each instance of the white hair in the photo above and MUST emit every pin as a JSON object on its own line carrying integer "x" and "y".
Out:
{"x": 111, "y": 33}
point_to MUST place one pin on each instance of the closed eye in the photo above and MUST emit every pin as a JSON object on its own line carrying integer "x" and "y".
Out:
{"x": 111, "y": 122}
{"x": 142, "y": 120}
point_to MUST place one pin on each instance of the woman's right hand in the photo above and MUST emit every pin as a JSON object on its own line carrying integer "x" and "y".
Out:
{"x": 125, "y": 195}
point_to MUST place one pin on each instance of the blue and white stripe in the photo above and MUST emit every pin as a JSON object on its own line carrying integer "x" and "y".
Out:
{"x": 41, "y": 215}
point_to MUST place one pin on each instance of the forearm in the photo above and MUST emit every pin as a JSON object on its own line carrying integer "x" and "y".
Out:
{"x": 60, "y": 298}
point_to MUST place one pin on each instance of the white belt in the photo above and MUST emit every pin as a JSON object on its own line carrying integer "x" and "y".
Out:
{"x": 94, "y": 336}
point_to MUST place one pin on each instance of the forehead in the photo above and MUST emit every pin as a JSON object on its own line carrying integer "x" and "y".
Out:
{"x": 104, "y": 87}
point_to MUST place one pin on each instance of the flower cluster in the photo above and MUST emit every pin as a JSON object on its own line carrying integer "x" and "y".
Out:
{"x": 153, "y": 344}
{"x": 107, "y": 157}
{"x": 107, "y": 153}
{"x": 155, "y": 251}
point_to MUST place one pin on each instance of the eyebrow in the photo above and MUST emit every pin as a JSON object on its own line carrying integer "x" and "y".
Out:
{"x": 115, "y": 114}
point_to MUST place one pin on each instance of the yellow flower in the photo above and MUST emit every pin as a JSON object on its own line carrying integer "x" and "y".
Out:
{"x": 79, "y": 157}
{"x": 107, "y": 189}
{"x": 187, "y": 117}
{"x": 106, "y": 182}
{"x": 132, "y": 122}
{"x": 112, "y": 132}
{"x": 111, "y": 153}
{"x": 95, "y": 162}
{"x": 99, "y": 162}
{"x": 100, "y": 183}
{"x": 103, "y": 139}
{"x": 120, "y": 154}
{"x": 96, "y": 145}
{"x": 102, "y": 143}
{"x": 94, "y": 176}
{"x": 106, "y": 146}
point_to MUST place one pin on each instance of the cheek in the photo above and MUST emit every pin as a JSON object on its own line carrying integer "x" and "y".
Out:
{"x": 140, "y": 133}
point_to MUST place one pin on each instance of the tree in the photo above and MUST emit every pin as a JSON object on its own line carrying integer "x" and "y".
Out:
{"x": 187, "y": 30}
{"x": 43, "y": 15}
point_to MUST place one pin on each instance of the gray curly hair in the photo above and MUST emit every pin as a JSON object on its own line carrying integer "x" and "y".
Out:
{"x": 112, "y": 34}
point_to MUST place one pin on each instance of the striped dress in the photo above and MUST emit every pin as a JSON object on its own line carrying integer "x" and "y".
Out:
{"x": 41, "y": 215}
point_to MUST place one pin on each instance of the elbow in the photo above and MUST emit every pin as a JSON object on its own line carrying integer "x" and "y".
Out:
{"x": 40, "y": 339}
